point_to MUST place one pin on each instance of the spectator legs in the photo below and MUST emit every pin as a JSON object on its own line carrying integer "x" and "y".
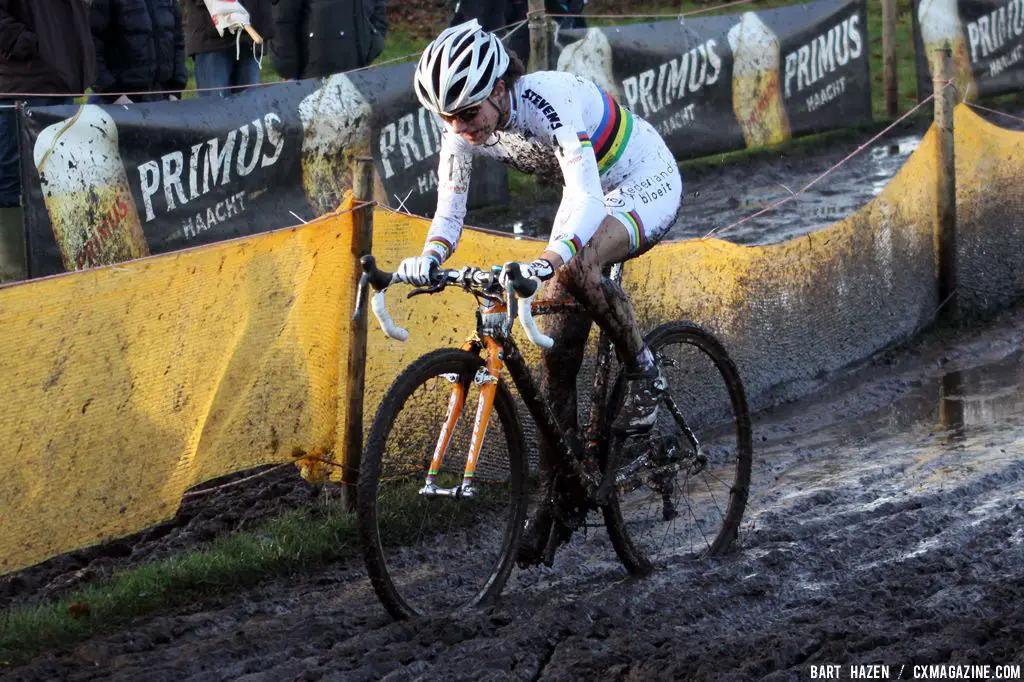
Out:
{"x": 221, "y": 69}
{"x": 12, "y": 225}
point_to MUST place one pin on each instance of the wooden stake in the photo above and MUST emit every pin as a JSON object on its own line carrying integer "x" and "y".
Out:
{"x": 362, "y": 244}
{"x": 889, "y": 58}
{"x": 540, "y": 37}
{"x": 945, "y": 196}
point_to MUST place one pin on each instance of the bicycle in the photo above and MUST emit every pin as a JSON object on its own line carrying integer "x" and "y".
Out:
{"x": 418, "y": 510}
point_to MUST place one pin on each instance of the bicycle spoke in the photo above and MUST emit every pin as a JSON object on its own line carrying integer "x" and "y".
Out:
{"x": 696, "y": 522}
{"x": 711, "y": 493}
{"x": 720, "y": 480}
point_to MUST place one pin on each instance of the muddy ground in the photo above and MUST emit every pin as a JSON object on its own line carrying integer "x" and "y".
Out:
{"x": 885, "y": 527}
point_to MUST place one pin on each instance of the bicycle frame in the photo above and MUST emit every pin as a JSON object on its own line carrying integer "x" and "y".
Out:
{"x": 493, "y": 336}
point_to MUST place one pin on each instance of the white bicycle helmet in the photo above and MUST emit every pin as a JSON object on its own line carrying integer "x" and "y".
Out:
{"x": 459, "y": 68}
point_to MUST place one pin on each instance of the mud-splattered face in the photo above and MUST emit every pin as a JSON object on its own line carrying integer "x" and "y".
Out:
{"x": 476, "y": 123}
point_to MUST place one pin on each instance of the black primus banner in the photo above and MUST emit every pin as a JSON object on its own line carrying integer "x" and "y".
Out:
{"x": 727, "y": 82}
{"x": 406, "y": 146}
{"x": 104, "y": 184}
{"x": 986, "y": 38}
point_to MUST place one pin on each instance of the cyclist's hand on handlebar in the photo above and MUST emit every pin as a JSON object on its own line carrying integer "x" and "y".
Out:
{"x": 539, "y": 269}
{"x": 416, "y": 270}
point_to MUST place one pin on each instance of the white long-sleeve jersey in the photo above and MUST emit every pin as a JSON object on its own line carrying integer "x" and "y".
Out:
{"x": 562, "y": 127}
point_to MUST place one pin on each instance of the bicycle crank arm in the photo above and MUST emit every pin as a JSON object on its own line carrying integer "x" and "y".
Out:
{"x": 573, "y": 466}
{"x": 433, "y": 490}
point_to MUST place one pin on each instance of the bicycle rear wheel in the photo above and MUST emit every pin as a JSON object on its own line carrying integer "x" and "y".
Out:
{"x": 682, "y": 490}
{"x": 438, "y": 554}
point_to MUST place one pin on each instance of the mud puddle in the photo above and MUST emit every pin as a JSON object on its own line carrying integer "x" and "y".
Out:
{"x": 716, "y": 199}
{"x": 719, "y": 199}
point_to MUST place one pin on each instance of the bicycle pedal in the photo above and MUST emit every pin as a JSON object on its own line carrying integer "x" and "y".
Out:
{"x": 432, "y": 490}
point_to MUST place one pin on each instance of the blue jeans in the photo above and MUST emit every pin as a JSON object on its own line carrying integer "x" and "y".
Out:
{"x": 221, "y": 69}
{"x": 10, "y": 170}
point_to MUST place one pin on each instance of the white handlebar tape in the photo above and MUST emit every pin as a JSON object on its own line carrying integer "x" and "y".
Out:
{"x": 391, "y": 329}
{"x": 530, "y": 327}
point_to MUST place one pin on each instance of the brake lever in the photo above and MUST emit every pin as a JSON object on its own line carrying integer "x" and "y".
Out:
{"x": 432, "y": 289}
{"x": 364, "y": 282}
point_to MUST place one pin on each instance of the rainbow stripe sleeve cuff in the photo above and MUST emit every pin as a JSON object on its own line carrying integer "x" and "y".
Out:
{"x": 439, "y": 248}
{"x": 566, "y": 248}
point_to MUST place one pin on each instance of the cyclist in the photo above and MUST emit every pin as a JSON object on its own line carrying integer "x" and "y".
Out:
{"x": 621, "y": 193}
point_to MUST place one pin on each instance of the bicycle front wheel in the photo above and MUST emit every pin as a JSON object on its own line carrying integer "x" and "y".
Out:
{"x": 428, "y": 552}
{"x": 682, "y": 490}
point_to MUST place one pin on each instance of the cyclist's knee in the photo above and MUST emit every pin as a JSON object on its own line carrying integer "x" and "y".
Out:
{"x": 582, "y": 273}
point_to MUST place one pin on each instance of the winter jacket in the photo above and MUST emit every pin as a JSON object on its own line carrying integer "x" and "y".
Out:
{"x": 140, "y": 45}
{"x": 201, "y": 36}
{"x": 45, "y": 47}
{"x": 316, "y": 38}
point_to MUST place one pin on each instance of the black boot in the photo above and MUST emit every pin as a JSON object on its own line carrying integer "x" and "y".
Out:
{"x": 562, "y": 510}
{"x": 537, "y": 529}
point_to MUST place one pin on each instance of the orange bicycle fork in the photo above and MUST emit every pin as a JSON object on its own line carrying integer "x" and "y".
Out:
{"x": 487, "y": 378}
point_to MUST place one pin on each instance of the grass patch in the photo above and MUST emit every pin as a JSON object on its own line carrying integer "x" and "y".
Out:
{"x": 403, "y": 41}
{"x": 297, "y": 541}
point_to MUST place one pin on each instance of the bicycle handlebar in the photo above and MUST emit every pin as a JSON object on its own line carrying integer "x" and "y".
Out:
{"x": 524, "y": 286}
{"x": 484, "y": 282}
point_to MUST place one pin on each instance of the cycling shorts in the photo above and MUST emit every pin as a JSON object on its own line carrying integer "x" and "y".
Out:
{"x": 647, "y": 201}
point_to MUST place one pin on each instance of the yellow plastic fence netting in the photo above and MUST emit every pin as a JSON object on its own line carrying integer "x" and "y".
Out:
{"x": 127, "y": 385}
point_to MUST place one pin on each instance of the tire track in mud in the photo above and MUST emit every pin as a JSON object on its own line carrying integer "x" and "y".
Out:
{"x": 875, "y": 535}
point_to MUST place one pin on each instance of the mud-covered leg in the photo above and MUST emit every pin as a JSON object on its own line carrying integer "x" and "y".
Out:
{"x": 609, "y": 305}
{"x": 614, "y": 312}
{"x": 560, "y": 366}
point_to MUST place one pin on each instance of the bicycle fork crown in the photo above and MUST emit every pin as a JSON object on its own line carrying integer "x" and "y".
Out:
{"x": 486, "y": 378}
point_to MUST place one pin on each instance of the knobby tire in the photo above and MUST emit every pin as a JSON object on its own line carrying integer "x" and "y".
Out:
{"x": 633, "y": 556}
